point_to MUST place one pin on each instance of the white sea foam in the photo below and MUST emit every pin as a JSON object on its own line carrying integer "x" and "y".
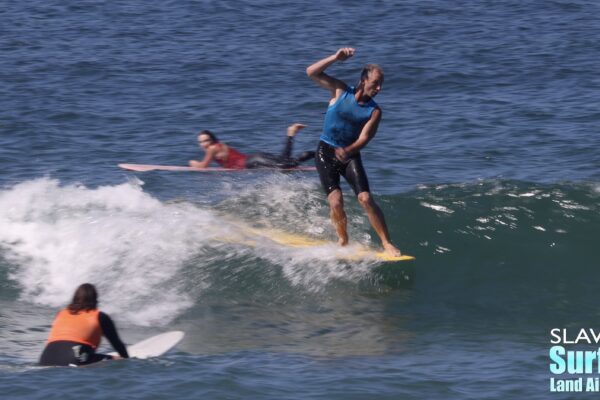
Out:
{"x": 118, "y": 237}
{"x": 570, "y": 205}
{"x": 437, "y": 207}
{"x": 138, "y": 250}
{"x": 284, "y": 203}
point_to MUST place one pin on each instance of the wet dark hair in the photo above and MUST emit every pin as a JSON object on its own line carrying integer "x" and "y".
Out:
{"x": 368, "y": 69}
{"x": 84, "y": 299}
{"x": 210, "y": 135}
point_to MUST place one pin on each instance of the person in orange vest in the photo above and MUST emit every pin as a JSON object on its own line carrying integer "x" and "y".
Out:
{"x": 77, "y": 330}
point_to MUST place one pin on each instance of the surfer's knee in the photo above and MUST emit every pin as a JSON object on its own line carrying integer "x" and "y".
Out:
{"x": 366, "y": 200}
{"x": 335, "y": 199}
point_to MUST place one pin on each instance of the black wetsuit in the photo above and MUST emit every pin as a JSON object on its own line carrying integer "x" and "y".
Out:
{"x": 64, "y": 352}
{"x": 330, "y": 169}
{"x": 285, "y": 160}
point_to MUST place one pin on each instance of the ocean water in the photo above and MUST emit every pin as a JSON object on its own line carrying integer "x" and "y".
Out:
{"x": 486, "y": 166}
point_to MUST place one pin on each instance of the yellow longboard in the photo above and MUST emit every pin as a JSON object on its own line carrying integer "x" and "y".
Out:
{"x": 251, "y": 235}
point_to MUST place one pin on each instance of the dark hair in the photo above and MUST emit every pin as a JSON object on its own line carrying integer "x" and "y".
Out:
{"x": 210, "y": 135}
{"x": 368, "y": 69}
{"x": 84, "y": 299}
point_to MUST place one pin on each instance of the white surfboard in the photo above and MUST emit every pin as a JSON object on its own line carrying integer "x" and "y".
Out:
{"x": 154, "y": 346}
{"x": 148, "y": 167}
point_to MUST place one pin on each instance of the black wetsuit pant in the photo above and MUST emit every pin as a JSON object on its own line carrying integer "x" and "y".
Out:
{"x": 65, "y": 353}
{"x": 283, "y": 161}
{"x": 330, "y": 169}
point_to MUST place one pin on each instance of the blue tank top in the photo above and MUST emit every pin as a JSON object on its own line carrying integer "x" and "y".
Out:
{"x": 345, "y": 119}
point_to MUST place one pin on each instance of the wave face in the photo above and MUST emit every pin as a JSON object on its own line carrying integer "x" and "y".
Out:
{"x": 152, "y": 259}
{"x": 491, "y": 246}
{"x": 512, "y": 251}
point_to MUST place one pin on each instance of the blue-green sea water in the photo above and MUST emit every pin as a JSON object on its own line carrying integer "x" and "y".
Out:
{"x": 486, "y": 165}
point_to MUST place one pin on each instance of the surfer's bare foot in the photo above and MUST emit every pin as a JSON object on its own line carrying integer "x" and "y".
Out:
{"x": 294, "y": 128}
{"x": 343, "y": 242}
{"x": 391, "y": 250}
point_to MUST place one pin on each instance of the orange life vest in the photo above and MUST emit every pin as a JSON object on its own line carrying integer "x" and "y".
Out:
{"x": 83, "y": 327}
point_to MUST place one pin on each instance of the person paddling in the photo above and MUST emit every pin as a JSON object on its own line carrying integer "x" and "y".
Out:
{"x": 77, "y": 331}
{"x": 351, "y": 121}
{"x": 228, "y": 157}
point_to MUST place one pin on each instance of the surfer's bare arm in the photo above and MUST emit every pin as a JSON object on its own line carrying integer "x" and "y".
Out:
{"x": 368, "y": 132}
{"x": 208, "y": 157}
{"x": 317, "y": 72}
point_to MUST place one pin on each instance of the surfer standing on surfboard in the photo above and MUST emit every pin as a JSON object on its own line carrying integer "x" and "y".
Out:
{"x": 228, "y": 157}
{"x": 351, "y": 121}
{"x": 77, "y": 331}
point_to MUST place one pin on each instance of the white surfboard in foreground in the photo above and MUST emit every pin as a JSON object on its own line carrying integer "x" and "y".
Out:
{"x": 154, "y": 346}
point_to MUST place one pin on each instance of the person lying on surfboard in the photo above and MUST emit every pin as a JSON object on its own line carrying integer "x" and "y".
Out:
{"x": 228, "y": 157}
{"x": 77, "y": 331}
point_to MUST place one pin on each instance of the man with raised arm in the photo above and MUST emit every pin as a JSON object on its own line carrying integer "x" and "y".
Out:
{"x": 351, "y": 121}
